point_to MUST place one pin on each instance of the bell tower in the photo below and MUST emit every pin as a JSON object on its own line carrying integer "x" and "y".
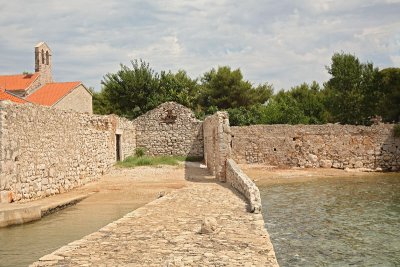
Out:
{"x": 43, "y": 62}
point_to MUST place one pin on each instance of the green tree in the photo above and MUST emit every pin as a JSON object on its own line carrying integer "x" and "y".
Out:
{"x": 101, "y": 104}
{"x": 255, "y": 114}
{"x": 310, "y": 100}
{"x": 224, "y": 89}
{"x": 389, "y": 105}
{"x": 283, "y": 108}
{"x": 179, "y": 87}
{"x": 132, "y": 91}
{"x": 351, "y": 93}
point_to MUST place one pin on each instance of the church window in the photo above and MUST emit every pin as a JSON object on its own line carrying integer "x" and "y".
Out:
{"x": 47, "y": 57}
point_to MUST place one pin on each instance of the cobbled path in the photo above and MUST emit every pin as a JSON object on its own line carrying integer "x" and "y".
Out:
{"x": 166, "y": 232}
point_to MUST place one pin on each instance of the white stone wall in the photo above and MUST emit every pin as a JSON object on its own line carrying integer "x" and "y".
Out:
{"x": 244, "y": 185}
{"x": 170, "y": 129}
{"x": 329, "y": 145}
{"x": 45, "y": 151}
{"x": 217, "y": 139}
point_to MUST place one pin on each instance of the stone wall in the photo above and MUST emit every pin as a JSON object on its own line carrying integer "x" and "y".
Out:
{"x": 217, "y": 139}
{"x": 45, "y": 151}
{"x": 127, "y": 131}
{"x": 170, "y": 129}
{"x": 236, "y": 178}
{"x": 79, "y": 100}
{"x": 330, "y": 145}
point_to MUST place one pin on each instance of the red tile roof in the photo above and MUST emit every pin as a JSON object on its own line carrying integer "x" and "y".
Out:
{"x": 7, "y": 96}
{"x": 51, "y": 93}
{"x": 17, "y": 82}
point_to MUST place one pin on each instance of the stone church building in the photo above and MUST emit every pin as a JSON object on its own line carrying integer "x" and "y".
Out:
{"x": 40, "y": 88}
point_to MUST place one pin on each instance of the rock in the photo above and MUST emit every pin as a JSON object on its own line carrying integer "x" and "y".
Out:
{"x": 51, "y": 257}
{"x": 313, "y": 158}
{"x": 6, "y": 197}
{"x": 325, "y": 163}
{"x": 208, "y": 226}
{"x": 358, "y": 164}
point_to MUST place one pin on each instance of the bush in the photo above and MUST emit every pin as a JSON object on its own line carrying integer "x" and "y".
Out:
{"x": 140, "y": 152}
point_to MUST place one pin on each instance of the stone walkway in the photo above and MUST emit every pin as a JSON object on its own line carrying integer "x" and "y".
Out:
{"x": 166, "y": 232}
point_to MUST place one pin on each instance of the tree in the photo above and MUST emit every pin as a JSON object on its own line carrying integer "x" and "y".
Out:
{"x": 180, "y": 88}
{"x": 101, "y": 105}
{"x": 283, "y": 108}
{"x": 389, "y": 106}
{"x": 351, "y": 93}
{"x": 310, "y": 100}
{"x": 132, "y": 91}
{"x": 226, "y": 89}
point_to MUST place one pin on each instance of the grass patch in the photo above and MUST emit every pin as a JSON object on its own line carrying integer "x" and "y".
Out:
{"x": 134, "y": 161}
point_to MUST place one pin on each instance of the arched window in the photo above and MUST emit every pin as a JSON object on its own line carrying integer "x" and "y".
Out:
{"x": 47, "y": 57}
{"x": 42, "y": 56}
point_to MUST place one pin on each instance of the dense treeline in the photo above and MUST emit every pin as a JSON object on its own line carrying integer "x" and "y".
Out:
{"x": 354, "y": 94}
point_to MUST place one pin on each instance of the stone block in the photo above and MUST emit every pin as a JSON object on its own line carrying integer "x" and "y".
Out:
{"x": 325, "y": 163}
{"x": 209, "y": 225}
{"x": 6, "y": 197}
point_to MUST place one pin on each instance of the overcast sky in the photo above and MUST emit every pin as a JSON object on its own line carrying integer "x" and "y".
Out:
{"x": 281, "y": 42}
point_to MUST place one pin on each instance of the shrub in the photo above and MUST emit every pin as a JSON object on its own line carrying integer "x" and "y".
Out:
{"x": 140, "y": 152}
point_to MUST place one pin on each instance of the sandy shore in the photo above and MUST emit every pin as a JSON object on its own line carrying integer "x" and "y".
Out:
{"x": 264, "y": 175}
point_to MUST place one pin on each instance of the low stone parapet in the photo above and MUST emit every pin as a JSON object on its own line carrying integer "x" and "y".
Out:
{"x": 242, "y": 183}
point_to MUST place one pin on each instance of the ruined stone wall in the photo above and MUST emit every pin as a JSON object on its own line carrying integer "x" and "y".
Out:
{"x": 170, "y": 129}
{"x": 217, "y": 138}
{"x": 45, "y": 151}
{"x": 127, "y": 130}
{"x": 330, "y": 145}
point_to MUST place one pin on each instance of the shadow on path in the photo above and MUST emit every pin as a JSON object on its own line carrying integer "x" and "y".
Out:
{"x": 197, "y": 172}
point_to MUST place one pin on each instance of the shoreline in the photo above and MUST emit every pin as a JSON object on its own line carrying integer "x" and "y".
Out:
{"x": 268, "y": 175}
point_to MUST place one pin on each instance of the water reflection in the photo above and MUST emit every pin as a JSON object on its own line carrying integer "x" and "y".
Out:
{"x": 335, "y": 221}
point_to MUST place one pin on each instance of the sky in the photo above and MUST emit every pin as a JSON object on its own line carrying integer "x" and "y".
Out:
{"x": 284, "y": 43}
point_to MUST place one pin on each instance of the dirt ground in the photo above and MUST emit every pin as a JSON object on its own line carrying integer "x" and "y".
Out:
{"x": 264, "y": 175}
{"x": 138, "y": 186}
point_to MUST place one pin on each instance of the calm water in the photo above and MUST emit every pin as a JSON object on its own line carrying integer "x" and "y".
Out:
{"x": 23, "y": 244}
{"x": 335, "y": 221}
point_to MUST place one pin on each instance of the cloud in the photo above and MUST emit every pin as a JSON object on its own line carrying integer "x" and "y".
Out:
{"x": 283, "y": 42}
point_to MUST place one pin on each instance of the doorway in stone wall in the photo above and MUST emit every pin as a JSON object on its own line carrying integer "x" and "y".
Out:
{"x": 118, "y": 147}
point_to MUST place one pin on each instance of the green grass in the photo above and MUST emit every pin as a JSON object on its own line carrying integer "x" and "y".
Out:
{"x": 134, "y": 161}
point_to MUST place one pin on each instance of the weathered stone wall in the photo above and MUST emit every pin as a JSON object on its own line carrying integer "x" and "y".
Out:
{"x": 79, "y": 100}
{"x": 330, "y": 145}
{"x": 45, "y": 151}
{"x": 242, "y": 183}
{"x": 127, "y": 130}
{"x": 217, "y": 138}
{"x": 170, "y": 129}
